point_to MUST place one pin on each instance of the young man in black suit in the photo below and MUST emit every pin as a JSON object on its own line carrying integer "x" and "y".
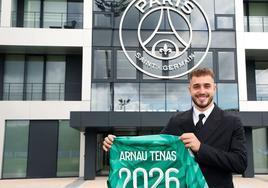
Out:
{"x": 215, "y": 137}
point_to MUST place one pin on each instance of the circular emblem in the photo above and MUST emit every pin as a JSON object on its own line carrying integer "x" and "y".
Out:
{"x": 165, "y": 36}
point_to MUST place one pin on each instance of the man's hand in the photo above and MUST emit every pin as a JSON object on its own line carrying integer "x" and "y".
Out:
{"x": 107, "y": 142}
{"x": 190, "y": 141}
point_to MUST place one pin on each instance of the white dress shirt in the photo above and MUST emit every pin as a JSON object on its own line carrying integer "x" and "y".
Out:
{"x": 196, "y": 113}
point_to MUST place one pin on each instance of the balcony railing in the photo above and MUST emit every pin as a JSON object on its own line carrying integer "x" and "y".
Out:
{"x": 262, "y": 92}
{"x": 256, "y": 23}
{"x": 34, "y": 91}
{"x": 48, "y": 20}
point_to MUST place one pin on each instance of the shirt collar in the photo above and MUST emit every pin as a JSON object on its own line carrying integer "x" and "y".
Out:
{"x": 207, "y": 112}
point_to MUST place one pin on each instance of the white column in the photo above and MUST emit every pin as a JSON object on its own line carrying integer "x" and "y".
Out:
{"x": 87, "y": 18}
{"x": 6, "y": 13}
{"x": 87, "y": 48}
{"x": 2, "y": 139}
{"x": 82, "y": 155}
{"x": 241, "y": 59}
{"x": 86, "y": 73}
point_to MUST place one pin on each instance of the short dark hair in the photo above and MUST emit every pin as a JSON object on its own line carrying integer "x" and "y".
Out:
{"x": 202, "y": 72}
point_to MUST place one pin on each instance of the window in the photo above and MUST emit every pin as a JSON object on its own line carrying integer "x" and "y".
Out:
{"x": 226, "y": 61}
{"x": 124, "y": 68}
{"x": 55, "y": 78}
{"x": 100, "y": 97}
{"x": 257, "y": 17}
{"x": 74, "y": 14}
{"x": 13, "y": 77}
{"x": 68, "y": 150}
{"x": 32, "y": 13}
{"x": 15, "y": 149}
{"x": 224, "y": 22}
{"x": 24, "y": 77}
{"x": 208, "y": 60}
{"x": 47, "y": 13}
{"x": 224, "y": 6}
{"x": 34, "y": 81}
{"x": 261, "y": 77}
{"x": 178, "y": 98}
{"x": 260, "y": 146}
{"x": 227, "y": 96}
{"x": 209, "y": 8}
{"x": 126, "y": 97}
{"x": 152, "y": 97}
{"x": 102, "y": 64}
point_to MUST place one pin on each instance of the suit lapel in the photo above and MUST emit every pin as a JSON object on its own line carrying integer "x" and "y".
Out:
{"x": 210, "y": 125}
{"x": 188, "y": 124}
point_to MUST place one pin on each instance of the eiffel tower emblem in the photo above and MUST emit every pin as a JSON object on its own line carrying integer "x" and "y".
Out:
{"x": 164, "y": 48}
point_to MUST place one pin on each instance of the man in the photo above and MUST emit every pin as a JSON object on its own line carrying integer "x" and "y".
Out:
{"x": 216, "y": 137}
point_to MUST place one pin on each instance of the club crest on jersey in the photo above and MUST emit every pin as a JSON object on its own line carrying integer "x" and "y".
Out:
{"x": 165, "y": 31}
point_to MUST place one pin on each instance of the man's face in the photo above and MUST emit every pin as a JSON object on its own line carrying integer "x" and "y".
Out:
{"x": 202, "y": 90}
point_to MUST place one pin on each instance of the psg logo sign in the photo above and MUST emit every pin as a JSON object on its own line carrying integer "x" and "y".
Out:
{"x": 167, "y": 33}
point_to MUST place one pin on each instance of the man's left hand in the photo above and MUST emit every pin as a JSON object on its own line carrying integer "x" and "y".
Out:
{"x": 190, "y": 141}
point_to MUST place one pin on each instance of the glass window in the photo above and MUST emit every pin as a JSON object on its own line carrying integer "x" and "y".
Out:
{"x": 260, "y": 147}
{"x": 68, "y": 150}
{"x": 124, "y": 69}
{"x": 102, "y": 20}
{"x": 126, "y": 97}
{"x": 208, "y": 6}
{"x": 100, "y": 97}
{"x": 223, "y": 40}
{"x": 182, "y": 69}
{"x": 130, "y": 38}
{"x": 197, "y": 20}
{"x": 261, "y": 77}
{"x": 13, "y": 77}
{"x": 75, "y": 13}
{"x": 200, "y": 39}
{"x": 226, "y": 65}
{"x": 55, "y": 77}
{"x": 224, "y": 22}
{"x": 151, "y": 70}
{"x": 178, "y": 98}
{"x": 131, "y": 19}
{"x": 34, "y": 86}
{"x": 14, "y": 13}
{"x": 32, "y": 13}
{"x": 258, "y": 21}
{"x": 208, "y": 60}
{"x": 102, "y": 64}
{"x": 224, "y": 6}
{"x": 152, "y": 97}
{"x": 258, "y": 9}
{"x": 15, "y": 149}
{"x": 227, "y": 96}
{"x": 103, "y": 37}
{"x": 177, "y": 21}
{"x": 152, "y": 21}
{"x": 55, "y": 13}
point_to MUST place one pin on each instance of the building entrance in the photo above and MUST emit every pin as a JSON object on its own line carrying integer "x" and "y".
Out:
{"x": 102, "y": 158}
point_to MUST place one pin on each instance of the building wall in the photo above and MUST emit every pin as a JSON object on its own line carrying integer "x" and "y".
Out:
{"x": 46, "y": 41}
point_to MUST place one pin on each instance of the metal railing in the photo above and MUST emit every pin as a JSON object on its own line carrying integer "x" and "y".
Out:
{"x": 34, "y": 91}
{"x": 48, "y": 20}
{"x": 256, "y": 23}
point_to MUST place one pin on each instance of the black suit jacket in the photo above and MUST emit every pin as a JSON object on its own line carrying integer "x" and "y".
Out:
{"x": 222, "y": 149}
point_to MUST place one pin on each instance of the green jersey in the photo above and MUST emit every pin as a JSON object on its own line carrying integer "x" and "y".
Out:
{"x": 154, "y": 161}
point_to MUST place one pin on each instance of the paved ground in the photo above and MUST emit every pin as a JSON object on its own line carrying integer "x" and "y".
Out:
{"x": 260, "y": 181}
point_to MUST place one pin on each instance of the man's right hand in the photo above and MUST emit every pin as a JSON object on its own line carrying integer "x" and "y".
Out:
{"x": 107, "y": 142}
